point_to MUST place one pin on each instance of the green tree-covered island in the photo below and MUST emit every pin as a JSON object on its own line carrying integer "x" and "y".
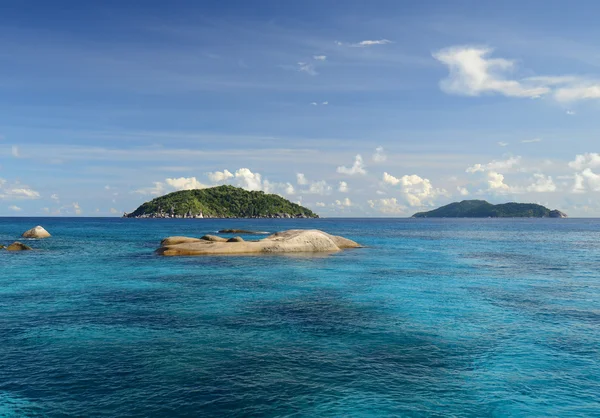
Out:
{"x": 220, "y": 202}
{"x": 483, "y": 209}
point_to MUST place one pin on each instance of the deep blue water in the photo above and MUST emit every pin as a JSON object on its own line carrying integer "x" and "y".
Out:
{"x": 433, "y": 318}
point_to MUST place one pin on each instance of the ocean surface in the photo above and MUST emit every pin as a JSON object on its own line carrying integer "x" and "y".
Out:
{"x": 487, "y": 317}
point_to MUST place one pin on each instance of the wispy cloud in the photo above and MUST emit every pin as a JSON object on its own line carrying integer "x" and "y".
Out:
{"x": 319, "y": 57}
{"x": 474, "y": 72}
{"x": 365, "y": 43}
{"x": 531, "y": 141}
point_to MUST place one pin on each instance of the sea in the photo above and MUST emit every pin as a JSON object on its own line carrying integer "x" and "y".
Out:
{"x": 432, "y": 318}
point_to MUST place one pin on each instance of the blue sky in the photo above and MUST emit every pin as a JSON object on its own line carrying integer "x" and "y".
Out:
{"x": 353, "y": 108}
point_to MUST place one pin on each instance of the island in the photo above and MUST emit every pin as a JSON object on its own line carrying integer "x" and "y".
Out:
{"x": 483, "y": 209}
{"x": 220, "y": 202}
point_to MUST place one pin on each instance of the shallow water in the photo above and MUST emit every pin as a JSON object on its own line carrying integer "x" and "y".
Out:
{"x": 433, "y": 318}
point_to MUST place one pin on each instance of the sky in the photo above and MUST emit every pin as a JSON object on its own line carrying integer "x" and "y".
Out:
{"x": 353, "y": 108}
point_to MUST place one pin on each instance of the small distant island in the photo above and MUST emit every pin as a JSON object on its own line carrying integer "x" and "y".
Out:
{"x": 483, "y": 209}
{"x": 220, "y": 202}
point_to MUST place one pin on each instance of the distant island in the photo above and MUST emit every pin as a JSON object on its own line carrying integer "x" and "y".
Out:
{"x": 220, "y": 202}
{"x": 483, "y": 209}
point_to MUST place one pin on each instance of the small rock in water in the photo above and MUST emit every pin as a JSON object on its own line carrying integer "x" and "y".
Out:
{"x": 37, "y": 232}
{"x": 17, "y": 246}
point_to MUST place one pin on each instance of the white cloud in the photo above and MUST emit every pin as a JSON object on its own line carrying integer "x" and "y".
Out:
{"x": 417, "y": 190}
{"x": 77, "y": 208}
{"x": 496, "y": 183}
{"x": 357, "y": 167}
{"x": 314, "y": 103}
{"x": 113, "y": 211}
{"x": 15, "y": 208}
{"x": 219, "y": 176}
{"x": 319, "y": 187}
{"x": 379, "y": 155}
{"x": 320, "y": 204}
{"x": 542, "y": 184}
{"x": 571, "y": 112}
{"x": 472, "y": 72}
{"x": 345, "y": 202}
{"x": 16, "y": 191}
{"x": 530, "y": 141}
{"x": 387, "y": 206}
{"x": 587, "y": 160}
{"x": 463, "y": 191}
{"x": 319, "y": 57}
{"x": 289, "y": 189}
{"x": 156, "y": 190}
{"x": 343, "y": 187}
{"x": 475, "y": 168}
{"x": 248, "y": 180}
{"x": 592, "y": 179}
{"x": 15, "y": 151}
{"x": 301, "y": 179}
{"x": 510, "y": 162}
{"x": 503, "y": 144}
{"x": 325, "y": 103}
{"x": 307, "y": 67}
{"x": 185, "y": 183}
{"x": 367, "y": 43}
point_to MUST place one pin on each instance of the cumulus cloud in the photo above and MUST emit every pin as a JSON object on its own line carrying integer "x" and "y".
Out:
{"x": 357, "y": 168}
{"x": 301, "y": 179}
{"x": 319, "y": 57}
{"x": 345, "y": 202}
{"x": 343, "y": 187}
{"x": 320, "y": 204}
{"x": 496, "y": 183}
{"x": 379, "y": 155}
{"x": 510, "y": 162}
{"x": 219, "y": 176}
{"x": 248, "y": 180}
{"x": 542, "y": 184}
{"x": 389, "y": 206}
{"x": 319, "y": 187}
{"x": 157, "y": 189}
{"x": 473, "y": 72}
{"x": 416, "y": 190}
{"x": 463, "y": 191}
{"x": 15, "y": 208}
{"x": 587, "y": 160}
{"x": 185, "y": 183}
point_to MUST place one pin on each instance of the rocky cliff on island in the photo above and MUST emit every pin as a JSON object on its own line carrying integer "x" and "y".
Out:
{"x": 220, "y": 202}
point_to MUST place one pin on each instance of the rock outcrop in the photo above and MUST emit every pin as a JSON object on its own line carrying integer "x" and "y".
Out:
{"x": 292, "y": 241}
{"x": 17, "y": 246}
{"x": 37, "y": 232}
{"x": 236, "y": 239}
{"x": 213, "y": 238}
{"x": 557, "y": 214}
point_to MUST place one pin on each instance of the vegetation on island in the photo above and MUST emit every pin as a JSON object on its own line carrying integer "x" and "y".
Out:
{"x": 220, "y": 202}
{"x": 483, "y": 209}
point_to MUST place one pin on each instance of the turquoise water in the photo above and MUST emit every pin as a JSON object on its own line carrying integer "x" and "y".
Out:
{"x": 433, "y": 318}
